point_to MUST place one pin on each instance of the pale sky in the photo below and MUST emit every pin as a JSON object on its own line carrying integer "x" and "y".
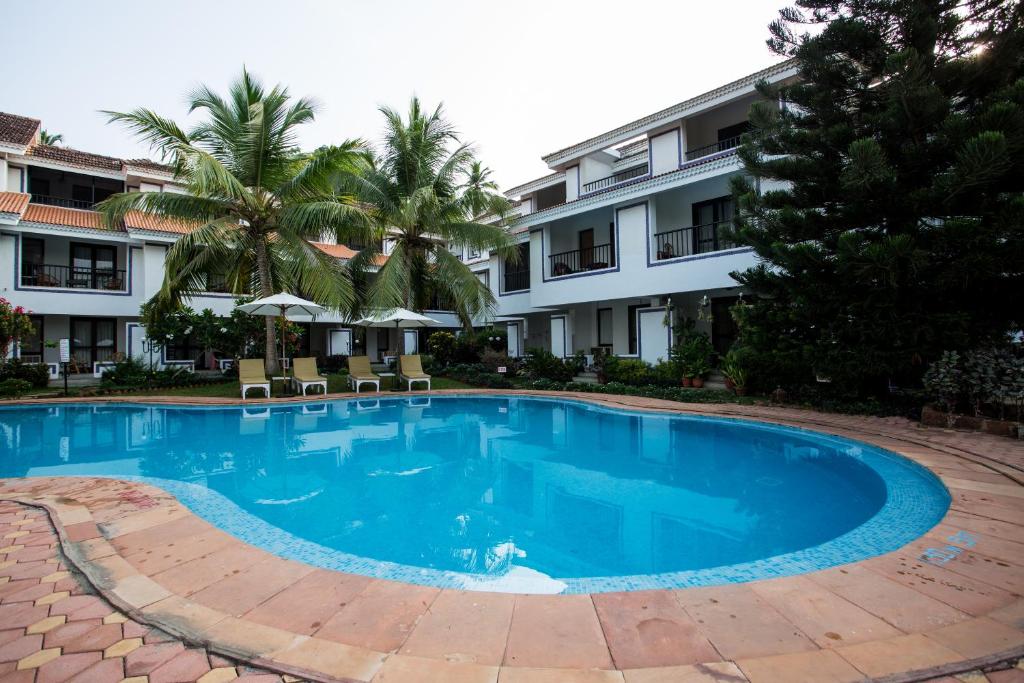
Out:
{"x": 519, "y": 79}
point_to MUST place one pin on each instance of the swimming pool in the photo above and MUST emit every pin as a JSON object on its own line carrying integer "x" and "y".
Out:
{"x": 496, "y": 492}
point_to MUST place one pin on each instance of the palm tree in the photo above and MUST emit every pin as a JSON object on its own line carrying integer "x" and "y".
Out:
{"x": 255, "y": 202}
{"x": 427, "y": 191}
{"x": 47, "y": 138}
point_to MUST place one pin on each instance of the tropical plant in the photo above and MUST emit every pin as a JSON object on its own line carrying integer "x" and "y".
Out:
{"x": 14, "y": 388}
{"x": 734, "y": 371}
{"x": 426, "y": 191}
{"x": 14, "y": 324}
{"x": 542, "y": 364}
{"x": 255, "y": 204}
{"x": 48, "y": 138}
{"x": 944, "y": 382}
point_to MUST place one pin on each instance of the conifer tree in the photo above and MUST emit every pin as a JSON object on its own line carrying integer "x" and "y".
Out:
{"x": 885, "y": 194}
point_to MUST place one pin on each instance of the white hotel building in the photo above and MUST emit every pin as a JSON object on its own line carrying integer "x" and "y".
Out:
{"x": 626, "y": 221}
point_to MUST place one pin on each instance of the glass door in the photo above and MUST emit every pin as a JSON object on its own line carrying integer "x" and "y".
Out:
{"x": 92, "y": 266}
{"x": 709, "y": 218}
{"x": 93, "y": 340}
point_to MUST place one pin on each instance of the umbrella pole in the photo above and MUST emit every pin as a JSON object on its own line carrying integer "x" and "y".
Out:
{"x": 284, "y": 368}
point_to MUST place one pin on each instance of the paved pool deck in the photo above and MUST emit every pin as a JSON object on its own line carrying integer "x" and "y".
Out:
{"x": 947, "y": 603}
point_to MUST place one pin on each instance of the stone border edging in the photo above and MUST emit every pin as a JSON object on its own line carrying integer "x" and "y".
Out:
{"x": 133, "y": 592}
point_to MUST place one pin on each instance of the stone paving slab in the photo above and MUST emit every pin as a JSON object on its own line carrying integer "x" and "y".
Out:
{"x": 897, "y": 617}
{"x": 73, "y": 635}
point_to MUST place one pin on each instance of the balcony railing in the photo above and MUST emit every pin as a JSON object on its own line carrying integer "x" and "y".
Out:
{"x": 713, "y": 148}
{"x": 699, "y": 239}
{"x": 580, "y": 260}
{"x": 67, "y": 277}
{"x": 517, "y": 280}
{"x": 61, "y": 201}
{"x": 621, "y": 176}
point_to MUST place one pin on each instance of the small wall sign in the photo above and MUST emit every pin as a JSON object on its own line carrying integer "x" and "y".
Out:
{"x": 65, "y": 350}
{"x": 502, "y": 370}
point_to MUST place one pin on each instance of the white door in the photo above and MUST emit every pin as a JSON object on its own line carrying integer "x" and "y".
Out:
{"x": 411, "y": 344}
{"x": 558, "y": 331}
{"x": 339, "y": 342}
{"x": 513, "y": 340}
{"x": 652, "y": 335}
{"x": 136, "y": 336}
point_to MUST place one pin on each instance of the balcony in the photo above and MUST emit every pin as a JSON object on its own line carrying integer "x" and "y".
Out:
{"x": 62, "y": 202}
{"x": 615, "y": 179}
{"x": 714, "y": 148}
{"x": 598, "y": 257}
{"x": 517, "y": 280}
{"x": 67, "y": 277}
{"x": 700, "y": 239}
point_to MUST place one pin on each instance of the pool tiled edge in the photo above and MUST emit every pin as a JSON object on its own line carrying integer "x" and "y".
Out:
{"x": 896, "y": 615}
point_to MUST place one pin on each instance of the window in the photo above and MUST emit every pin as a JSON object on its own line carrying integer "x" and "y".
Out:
{"x": 182, "y": 349}
{"x": 33, "y": 255}
{"x": 474, "y": 252}
{"x": 32, "y": 345}
{"x": 710, "y": 220}
{"x": 38, "y": 186}
{"x": 734, "y": 131}
{"x": 517, "y": 275}
{"x": 93, "y": 340}
{"x": 92, "y": 267}
{"x": 604, "y": 327}
{"x": 631, "y": 321}
{"x": 82, "y": 193}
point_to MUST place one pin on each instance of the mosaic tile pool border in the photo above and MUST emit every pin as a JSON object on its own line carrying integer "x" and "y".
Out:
{"x": 916, "y": 501}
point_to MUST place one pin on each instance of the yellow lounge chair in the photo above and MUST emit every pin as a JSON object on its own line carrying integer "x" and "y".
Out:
{"x": 251, "y": 375}
{"x": 305, "y": 374}
{"x": 411, "y": 370}
{"x": 359, "y": 372}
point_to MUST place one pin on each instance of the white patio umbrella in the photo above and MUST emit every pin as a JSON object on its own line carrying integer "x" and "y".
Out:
{"x": 280, "y": 305}
{"x": 399, "y": 318}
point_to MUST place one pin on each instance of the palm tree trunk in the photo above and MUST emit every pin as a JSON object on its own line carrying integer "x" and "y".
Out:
{"x": 266, "y": 287}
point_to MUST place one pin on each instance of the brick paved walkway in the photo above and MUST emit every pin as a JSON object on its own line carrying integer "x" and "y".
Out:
{"x": 55, "y": 629}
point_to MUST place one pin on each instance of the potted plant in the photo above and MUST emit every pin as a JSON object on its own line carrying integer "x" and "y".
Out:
{"x": 696, "y": 359}
{"x": 734, "y": 373}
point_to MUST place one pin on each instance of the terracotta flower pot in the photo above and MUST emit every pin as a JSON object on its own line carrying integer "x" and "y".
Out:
{"x": 687, "y": 381}
{"x": 741, "y": 391}
{"x": 698, "y": 382}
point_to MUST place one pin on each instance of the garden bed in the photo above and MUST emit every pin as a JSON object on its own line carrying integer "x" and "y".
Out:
{"x": 933, "y": 417}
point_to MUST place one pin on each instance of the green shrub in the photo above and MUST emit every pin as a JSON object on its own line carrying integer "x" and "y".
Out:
{"x": 131, "y": 374}
{"x": 542, "y": 364}
{"x": 333, "y": 364}
{"x": 477, "y": 375}
{"x": 442, "y": 346}
{"x": 14, "y": 388}
{"x": 36, "y": 374}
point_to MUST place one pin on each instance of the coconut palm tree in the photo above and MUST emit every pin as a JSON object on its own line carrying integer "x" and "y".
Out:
{"x": 255, "y": 202}
{"x": 428, "y": 192}
{"x": 48, "y": 138}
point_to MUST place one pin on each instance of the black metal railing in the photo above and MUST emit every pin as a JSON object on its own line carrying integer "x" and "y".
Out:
{"x": 713, "y": 148}
{"x": 67, "y": 277}
{"x": 699, "y": 239}
{"x": 517, "y": 280}
{"x": 61, "y": 201}
{"x": 597, "y": 257}
{"x": 615, "y": 179}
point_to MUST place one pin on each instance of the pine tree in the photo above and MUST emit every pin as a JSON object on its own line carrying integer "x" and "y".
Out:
{"x": 884, "y": 196}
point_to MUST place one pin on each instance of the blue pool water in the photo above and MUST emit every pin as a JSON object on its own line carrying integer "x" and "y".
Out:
{"x": 499, "y": 493}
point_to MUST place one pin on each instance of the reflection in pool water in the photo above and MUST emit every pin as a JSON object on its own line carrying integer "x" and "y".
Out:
{"x": 484, "y": 485}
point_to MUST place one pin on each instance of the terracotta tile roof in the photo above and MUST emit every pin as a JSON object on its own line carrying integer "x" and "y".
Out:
{"x": 13, "y": 202}
{"x": 141, "y": 221}
{"x": 17, "y": 130}
{"x": 74, "y": 157}
{"x": 148, "y": 165}
{"x": 343, "y": 252}
{"x": 58, "y": 215}
{"x": 335, "y": 250}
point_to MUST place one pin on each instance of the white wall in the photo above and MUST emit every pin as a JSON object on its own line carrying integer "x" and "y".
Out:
{"x": 572, "y": 183}
{"x": 664, "y": 152}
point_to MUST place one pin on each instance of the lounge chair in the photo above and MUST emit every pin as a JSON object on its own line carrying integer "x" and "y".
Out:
{"x": 251, "y": 375}
{"x": 359, "y": 372}
{"x": 305, "y": 374}
{"x": 411, "y": 370}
